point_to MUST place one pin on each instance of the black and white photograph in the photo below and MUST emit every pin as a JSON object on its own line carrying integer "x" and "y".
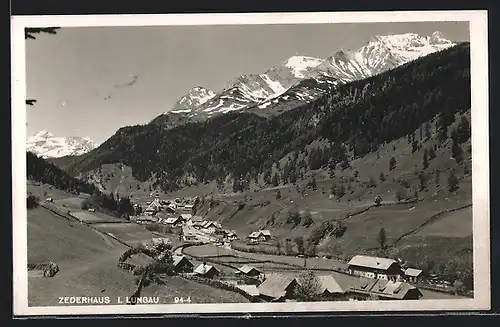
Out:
{"x": 250, "y": 163}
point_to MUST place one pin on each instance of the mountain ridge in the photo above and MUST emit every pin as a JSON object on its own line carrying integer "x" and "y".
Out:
{"x": 47, "y": 145}
{"x": 379, "y": 54}
{"x": 354, "y": 119}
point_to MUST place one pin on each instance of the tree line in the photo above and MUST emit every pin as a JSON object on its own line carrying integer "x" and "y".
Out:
{"x": 349, "y": 121}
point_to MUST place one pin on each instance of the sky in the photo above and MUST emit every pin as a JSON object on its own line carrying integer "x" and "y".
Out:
{"x": 78, "y": 76}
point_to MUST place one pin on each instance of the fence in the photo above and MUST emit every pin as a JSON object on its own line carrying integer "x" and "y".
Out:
{"x": 222, "y": 285}
{"x": 42, "y": 269}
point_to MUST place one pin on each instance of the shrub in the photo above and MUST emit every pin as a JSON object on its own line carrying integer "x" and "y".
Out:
{"x": 32, "y": 201}
{"x": 308, "y": 287}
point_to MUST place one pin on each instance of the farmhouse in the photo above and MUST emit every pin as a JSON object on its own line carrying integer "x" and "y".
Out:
{"x": 277, "y": 287}
{"x": 153, "y": 207}
{"x": 206, "y": 271}
{"x": 374, "y": 267}
{"x": 172, "y": 221}
{"x": 386, "y": 290}
{"x": 330, "y": 288}
{"x": 185, "y": 216}
{"x": 210, "y": 226}
{"x": 248, "y": 271}
{"x": 261, "y": 235}
{"x": 196, "y": 219}
{"x": 182, "y": 264}
{"x": 188, "y": 208}
{"x": 413, "y": 275}
{"x": 231, "y": 235}
{"x": 265, "y": 234}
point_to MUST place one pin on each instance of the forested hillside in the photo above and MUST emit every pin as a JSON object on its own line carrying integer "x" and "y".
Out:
{"x": 40, "y": 170}
{"x": 346, "y": 123}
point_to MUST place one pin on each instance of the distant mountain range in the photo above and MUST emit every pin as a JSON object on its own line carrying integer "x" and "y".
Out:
{"x": 283, "y": 84}
{"x": 46, "y": 145}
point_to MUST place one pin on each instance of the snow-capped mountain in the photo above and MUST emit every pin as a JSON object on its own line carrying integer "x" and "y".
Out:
{"x": 193, "y": 99}
{"x": 284, "y": 82}
{"x": 46, "y": 145}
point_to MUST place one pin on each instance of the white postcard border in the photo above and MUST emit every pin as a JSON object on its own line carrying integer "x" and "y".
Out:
{"x": 480, "y": 158}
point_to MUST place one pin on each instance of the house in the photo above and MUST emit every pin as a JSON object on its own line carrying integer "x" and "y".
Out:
{"x": 277, "y": 287}
{"x": 248, "y": 271}
{"x": 260, "y": 236}
{"x": 185, "y": 216}
{"x": 380, "y": 289}
{"x": 172, "y": 221}
{"x": 265, "y": 235}
{"x": 231, "y": 236}
{"x": 330, "y": 288}
{"x": 374, "y": 267}
{"x": 206, "y": 271}
{"x": 413, "y": 275}
{"x": 182, "y": 264}
{"x": 189, "y": 234}
{"x": 198, "y": 224}
{"x": 210, "y": 226}
{"x": 188, "y": 208}
{"x": 254, "y": 236}
{"x": 196, "y": 219}
{"x": 153, "y": 207}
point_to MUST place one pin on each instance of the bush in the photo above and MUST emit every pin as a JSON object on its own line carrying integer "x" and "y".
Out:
{"x": 86, "y": 204}
{"x": 32, "y": 201}
{"x": 308, "y": 287}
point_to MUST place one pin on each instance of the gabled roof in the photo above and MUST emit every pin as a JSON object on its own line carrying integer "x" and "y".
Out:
{"x": 249, "y": 289}
{"x": 330, "y": 284}
{"x": 203, "y": 269}
{"x": 371, "y": 262}
{"x": 179, "y": 259}
{"x": 196, "y": 219}
{"x": 275, "y": 285}
{"x": 390, "y": 289}
{"x": 188, "y": 231}
{"x": 254, "y": 234}
{"x": 171, "y": 220}
{"x": 154, "y": 205}
{"x": 412, "y": 272}
{"x": 186, "y": 216}
{"x": 265, "y": 232}
{"x": 209, "y": 223}
{"x": 247, "y": 268}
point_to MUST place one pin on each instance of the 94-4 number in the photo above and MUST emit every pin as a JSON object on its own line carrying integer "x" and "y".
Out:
{"x": 182, "y": 299}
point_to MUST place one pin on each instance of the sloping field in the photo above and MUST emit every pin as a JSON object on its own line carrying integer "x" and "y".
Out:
{"x": 130, "y": 233}
{"x": 363, "y": 230}
{"x": 88, "y": 266}
{"x": 70, "y": 203}
{"x": 51, "y": 237}
{"x": 94, "y": 217}
{"x": 453, "y": 224}
{"x": 44, "y": 191}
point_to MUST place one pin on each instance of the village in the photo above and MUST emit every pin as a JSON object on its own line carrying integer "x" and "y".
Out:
{"x": 361, "y": 278}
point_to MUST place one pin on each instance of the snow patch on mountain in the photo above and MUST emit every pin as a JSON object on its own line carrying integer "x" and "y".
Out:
{"x": 379, "y": 54}
{"x": 300, "y": 65}
{"x": 46, "y": 145}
